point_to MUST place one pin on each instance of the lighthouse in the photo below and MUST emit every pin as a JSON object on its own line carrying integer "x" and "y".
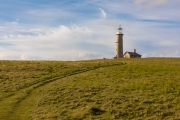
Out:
{"x": 119, "y": 43}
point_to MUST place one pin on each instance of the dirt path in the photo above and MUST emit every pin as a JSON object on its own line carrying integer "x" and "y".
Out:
{"x": 16, "y": 105}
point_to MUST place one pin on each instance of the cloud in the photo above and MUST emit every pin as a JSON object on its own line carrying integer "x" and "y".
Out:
{"x": 95, "y": 39}
{"x": 63, "y": 43}
{"x": 103, "y": 13}
{"x": 82, "y": 56}
{"x": 151, "y": 3}
{"x": 45, "y": 12}
{"x": 24, "y": 57}
{"x": 37, "y": 34}
{"x": 3, "y": 56}
{"x": 169, "y": 52}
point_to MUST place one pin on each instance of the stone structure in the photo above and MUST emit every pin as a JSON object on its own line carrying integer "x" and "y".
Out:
{"x": 132, "y": 54}
{"x": 119, "y": 43}
{"x": 119, "y": 47}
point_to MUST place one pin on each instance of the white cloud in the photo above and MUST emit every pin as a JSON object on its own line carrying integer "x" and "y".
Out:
{"x": 47, "y": 12}
{"x": 151, "y": 3}
{"x": 3, "y": 56}
{"x": 169, "y": 52}
{"x": 24, "y": 57}
{"x": 82, "y": 56}
{"x": 36, "y": 34}
{"x": 167, "y": 43}
{"x": 64, "y": 42}
{"x": 103, "y": 13}
{"x": 95, "y": 39}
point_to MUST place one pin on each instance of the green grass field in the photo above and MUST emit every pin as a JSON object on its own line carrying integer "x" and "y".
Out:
{"x": 119, "y": 89}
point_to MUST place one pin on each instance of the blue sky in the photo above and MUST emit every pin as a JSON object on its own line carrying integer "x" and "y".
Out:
{"x": 85, "y": 29}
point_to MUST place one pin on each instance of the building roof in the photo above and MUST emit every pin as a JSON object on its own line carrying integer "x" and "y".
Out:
{"x": 132, "y": 53}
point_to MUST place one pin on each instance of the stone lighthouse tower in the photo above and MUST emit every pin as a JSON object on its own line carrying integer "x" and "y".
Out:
{"x": 119, "y": 43}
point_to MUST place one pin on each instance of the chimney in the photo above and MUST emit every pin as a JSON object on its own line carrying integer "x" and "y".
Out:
{"x": 134, "y": 50}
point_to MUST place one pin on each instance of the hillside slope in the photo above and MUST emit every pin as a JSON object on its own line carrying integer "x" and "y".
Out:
{"x": 95, "y": 89}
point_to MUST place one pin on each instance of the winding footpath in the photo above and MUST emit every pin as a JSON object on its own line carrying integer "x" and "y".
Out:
{"x": 18, "y": 100}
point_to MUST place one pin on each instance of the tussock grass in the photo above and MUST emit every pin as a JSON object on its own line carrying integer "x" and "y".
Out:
{"x": 95, "y": 89}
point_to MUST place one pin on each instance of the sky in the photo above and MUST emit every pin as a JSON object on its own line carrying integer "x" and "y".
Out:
{"x": 86, "y": 29}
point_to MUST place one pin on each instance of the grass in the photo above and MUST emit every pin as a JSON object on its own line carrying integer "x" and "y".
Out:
{"x": 147, "y": 88}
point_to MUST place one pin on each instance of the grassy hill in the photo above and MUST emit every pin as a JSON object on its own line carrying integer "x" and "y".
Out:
{"x": 147, "y": 88}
